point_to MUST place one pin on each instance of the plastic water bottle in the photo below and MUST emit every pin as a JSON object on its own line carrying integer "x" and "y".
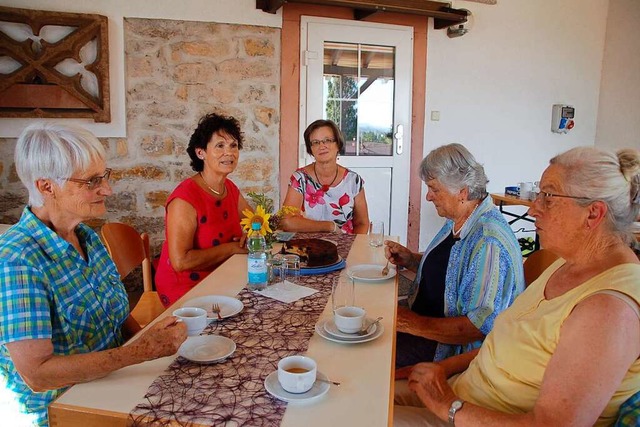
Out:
{"x": 257, "y": 259}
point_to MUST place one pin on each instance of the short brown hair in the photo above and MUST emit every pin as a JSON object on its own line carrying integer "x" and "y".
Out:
{"x": 320, "y": 124}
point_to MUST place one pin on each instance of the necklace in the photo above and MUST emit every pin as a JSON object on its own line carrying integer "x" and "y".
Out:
{"x": 217, "y": 193}
{"x": 455, "y": 233}
{"x": 325, "y": 187}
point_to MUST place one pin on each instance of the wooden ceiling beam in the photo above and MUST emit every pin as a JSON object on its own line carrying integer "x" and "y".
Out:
{"x": 444, "y": 15}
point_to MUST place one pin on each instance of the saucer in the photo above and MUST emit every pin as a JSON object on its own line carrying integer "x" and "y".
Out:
{"x": 228, "y": 306}
{"x": 370, "y": 272}
{"x": 356, "y": 340}
{"x": 207, "y": 348}
{"x": 273, "y": 387}
{"x": 330, "y": 327}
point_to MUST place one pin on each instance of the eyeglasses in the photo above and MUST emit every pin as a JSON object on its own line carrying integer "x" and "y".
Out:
{"x": 92, "y": 183}
{"x": 543, "y": 196}
{"x": 326, "y": 141}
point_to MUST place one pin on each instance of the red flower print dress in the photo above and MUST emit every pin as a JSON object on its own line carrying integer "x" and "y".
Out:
{"x": 218, "y": 222}
{"x": 336, "y": 204}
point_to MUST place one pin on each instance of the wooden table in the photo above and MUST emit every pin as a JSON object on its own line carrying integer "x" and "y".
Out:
{"x": 502, "y": 200}
{"x": 365, "y": 370}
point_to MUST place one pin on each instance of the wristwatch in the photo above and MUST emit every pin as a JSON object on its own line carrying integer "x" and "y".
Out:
{"x": 456, "y": 405}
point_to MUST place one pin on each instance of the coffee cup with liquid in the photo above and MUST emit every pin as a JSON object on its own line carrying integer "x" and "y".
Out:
{"x": 297, "y": 374}
{"x": 195, "y": 318}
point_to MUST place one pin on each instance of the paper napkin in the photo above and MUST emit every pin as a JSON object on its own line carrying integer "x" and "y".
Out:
{"x": 286, "y": 291}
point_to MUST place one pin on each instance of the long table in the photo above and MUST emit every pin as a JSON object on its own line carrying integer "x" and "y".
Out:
{"x": 365, "y": 370}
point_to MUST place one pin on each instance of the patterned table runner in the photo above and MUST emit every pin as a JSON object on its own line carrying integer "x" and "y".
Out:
{"x": 232, "y": 392}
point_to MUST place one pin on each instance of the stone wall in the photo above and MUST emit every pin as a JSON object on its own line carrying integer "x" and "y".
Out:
{"x": 177, "y": 71}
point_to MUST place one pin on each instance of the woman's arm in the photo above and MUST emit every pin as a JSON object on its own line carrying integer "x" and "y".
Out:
{"x": 598, "y": 342}
{"x": 42, "y": 370}
{"x": 451, "y": 365}
{"x": 447, "y": 330}
{"x": 181, "y": 229}
{"x": 296, "y": 222}
{"x": 402, "y": 256}
{"x": 360, "y": 214}
{"x": 130, "y": 327}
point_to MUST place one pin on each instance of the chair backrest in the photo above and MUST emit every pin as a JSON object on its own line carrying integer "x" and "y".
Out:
{"x": 128, "y": 250}
{"x": 536, "y": 263}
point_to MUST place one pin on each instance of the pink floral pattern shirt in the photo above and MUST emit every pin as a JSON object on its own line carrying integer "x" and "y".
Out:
{"x": 336, "y": 204}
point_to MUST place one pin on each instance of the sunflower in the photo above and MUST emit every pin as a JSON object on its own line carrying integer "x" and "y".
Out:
{"x": 260, "y": 216}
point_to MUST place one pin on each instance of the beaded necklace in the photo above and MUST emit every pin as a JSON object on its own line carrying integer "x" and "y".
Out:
{"x": 325, "y": 187}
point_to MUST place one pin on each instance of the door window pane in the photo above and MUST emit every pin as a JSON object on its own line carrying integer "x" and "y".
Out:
{"x": 358, "y": 94}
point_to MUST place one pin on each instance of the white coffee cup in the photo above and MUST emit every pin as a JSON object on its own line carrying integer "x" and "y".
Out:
{"x": 194, "y": 318}
{"x": 349, "y": 320}
{"x": 297, "y": 374}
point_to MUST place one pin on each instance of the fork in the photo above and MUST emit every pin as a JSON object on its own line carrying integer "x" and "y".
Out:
{"x": 385, "y": 270}
{"x": 216, "y": 309}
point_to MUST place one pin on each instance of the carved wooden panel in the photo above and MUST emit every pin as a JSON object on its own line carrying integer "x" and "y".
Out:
{"x": 54, "y": 64}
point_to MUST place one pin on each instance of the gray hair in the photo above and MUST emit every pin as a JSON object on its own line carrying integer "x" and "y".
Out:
{"x": 53, "y": 151}
{"x": 602, "y": 175}
{"x": 456, "y": 168}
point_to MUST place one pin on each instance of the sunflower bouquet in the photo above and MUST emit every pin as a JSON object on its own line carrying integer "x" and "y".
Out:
{"x": 264, "y": 215}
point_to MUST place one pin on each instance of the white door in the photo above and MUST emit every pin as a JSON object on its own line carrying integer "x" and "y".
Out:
{"x": 358, "y": 74}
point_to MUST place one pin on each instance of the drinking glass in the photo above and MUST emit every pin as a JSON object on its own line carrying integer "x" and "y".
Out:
{"x": 343, "y": 293}
{"x": 274, "y": 268}
{"x": 290, "y": 268}
{"x": 376, "y": 233}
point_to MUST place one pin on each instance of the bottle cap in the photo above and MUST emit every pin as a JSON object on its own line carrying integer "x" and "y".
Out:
{"x": 256, "y": 226}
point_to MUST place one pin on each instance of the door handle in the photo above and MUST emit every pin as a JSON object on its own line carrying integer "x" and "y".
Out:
{"x": 399, "y": 138}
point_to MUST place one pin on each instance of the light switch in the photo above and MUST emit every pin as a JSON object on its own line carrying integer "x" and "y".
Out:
{"x": 435, "y": 116}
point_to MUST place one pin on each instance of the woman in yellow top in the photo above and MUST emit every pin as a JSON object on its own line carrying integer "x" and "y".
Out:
{"x": 567, "y": 351}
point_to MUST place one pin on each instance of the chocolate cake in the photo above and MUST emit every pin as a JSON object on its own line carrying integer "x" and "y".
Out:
{"x": 313, "y": 252}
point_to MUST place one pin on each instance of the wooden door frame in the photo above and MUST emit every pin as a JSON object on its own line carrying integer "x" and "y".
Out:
{"x": 290, "y": 95}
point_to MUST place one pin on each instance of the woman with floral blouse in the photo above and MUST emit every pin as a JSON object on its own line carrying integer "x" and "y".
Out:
{"x": 330, "y": 197}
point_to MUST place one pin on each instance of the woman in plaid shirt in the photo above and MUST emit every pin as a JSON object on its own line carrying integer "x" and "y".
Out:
{"x": 64, "y": 313}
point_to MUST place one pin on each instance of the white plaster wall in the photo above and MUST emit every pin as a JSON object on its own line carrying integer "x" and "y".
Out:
{"x": 495, "y": 87}
{"x": 619, "y": 110}
{"x": 233, "y": 12}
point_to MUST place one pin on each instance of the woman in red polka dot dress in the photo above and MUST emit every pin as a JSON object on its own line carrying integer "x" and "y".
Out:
{"x": 202, "y": 222}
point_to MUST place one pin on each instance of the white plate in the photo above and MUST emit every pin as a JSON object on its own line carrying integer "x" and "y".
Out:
{"x": 330, "y": 327}
{"x": 228, "y": 306}
{"x": 326, "y": 335}
{"x": 207, "y": 348}
{"x": 274, "y": 388}
{"x": 370, "y": 272}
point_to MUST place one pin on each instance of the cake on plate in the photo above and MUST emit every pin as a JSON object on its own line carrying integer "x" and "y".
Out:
{"x": 313, "y": 252}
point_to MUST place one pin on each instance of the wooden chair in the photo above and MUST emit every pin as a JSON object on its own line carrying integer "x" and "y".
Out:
{"x": 129, "y": 249}
{"x": 536, "y": 263}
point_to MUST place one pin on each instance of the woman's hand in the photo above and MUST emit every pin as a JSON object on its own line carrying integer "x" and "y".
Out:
{"x": 429, "y": 382}
{"x": 242, "y": 244}
{"x": 162, "y": 339}
{"x": 398, "y": 254}
{"x": 403, "y": 373}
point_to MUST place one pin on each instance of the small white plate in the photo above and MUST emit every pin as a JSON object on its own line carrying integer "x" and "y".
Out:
{"x": 273, "y": 387}
{"x": 330, "y": 327}
{"x": 228, "y": 306}
{"x": 326, "y": 335}
{"x": 207, "y": 348}
{"x": 370, "y": 272}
